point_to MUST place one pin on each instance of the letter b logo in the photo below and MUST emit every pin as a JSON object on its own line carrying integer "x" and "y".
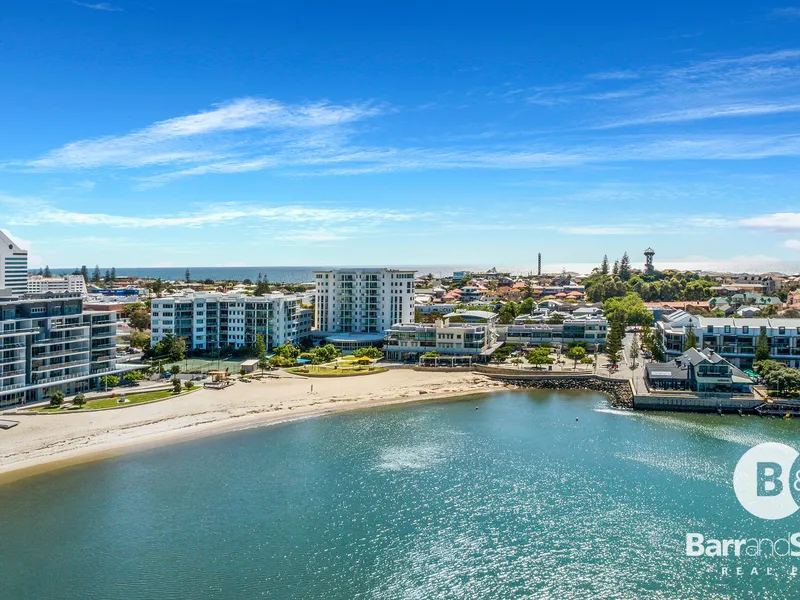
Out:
{"x": 762, "y": 481}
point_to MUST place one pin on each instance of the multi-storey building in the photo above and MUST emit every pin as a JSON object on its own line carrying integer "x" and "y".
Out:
{"x": 589, "y": 330}
{"x": 403, "y": 342}
{"x": 50, "y": 343}
{"x": 733, "y": 338}
{"x": 13, "y": 265}
{"x": 363, "y": 301}
{"x": 73, "y": 284}
{"x": 213, "y": 320}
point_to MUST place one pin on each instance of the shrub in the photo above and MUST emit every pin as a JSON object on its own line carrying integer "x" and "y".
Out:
{"x": 79, "y": 400}
{"x": 57, "y": 398}
{"x": 176, "y": 386}
{"x": 188, "y": 385}
{"x": 109, "y": 380}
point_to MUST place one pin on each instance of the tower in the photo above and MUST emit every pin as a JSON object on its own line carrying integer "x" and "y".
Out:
{"x": 539, "y": 273}
{"x": 648, "y": 261}
{"x": 13, "y": 265}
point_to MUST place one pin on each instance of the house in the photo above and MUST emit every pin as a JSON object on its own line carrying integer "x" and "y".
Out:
{"x": 702, "y": 371}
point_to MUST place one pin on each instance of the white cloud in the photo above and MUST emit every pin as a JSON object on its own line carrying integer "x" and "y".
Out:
{"x": 34, "y": 211}
{"x": 774, "y": 222}
{"x": 786, "y": 12}
{"x": 792, "y": 244}
{"x": 709, "y": 112}
{"x": 98, "y": 6}
{"x": 204, "y": 137}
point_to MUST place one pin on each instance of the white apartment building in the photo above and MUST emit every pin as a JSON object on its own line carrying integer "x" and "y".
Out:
{"x": 13, "y": 265}
{"x": 733, "y": 338}
{"x": 410, "y": 341}
{"x": 210, "y": 320}
{"x": 589, "y": 330}
{"x": 49, "y": 343}
{"x": 71, "y": 284}
{"x": 363, "y": 301}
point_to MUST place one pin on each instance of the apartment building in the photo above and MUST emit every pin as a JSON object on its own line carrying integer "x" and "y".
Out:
{"x": 71, "y": 284}
{"x": 209, "y": 320}
{"x": 410, "y": 341}
{"x": 50, "y": 343}
{"x": 733, "y": 338}
{"x": 590, "y": 330}
{"x": 363, "y": 301}
{"x": 13, "y": 266}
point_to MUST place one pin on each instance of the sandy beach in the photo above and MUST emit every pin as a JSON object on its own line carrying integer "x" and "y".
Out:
{"x": 46, "y": 442}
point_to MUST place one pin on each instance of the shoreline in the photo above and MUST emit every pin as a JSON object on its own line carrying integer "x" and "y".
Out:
{"x": 56, "y": 442}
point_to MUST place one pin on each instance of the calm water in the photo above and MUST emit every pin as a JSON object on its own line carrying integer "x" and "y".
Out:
{"x": 514, "y": 500}
{"x": 306, "y": 274}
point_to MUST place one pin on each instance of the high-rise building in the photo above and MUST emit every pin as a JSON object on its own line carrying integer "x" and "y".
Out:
{"x": 363, "y": 300}
{"x": 213, "y": 320}
{"x": 13, "y": 265}
{"x": 355, "y": 307}
{"x": 49, "y": 343}
{"x": 74, "y": 284}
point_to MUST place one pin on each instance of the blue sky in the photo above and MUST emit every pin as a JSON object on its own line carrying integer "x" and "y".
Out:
{"x": 170, "y": 133}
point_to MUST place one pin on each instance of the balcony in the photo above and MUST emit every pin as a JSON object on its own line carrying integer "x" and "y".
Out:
{"x": 69, "y": 327}
{"x": 5, "y": 374}
{"x": 55, "y": 341}
{"x": 60, "y": 378}
{"x": 56, "y": 367}
{"x": 13, "y": 386}
{"x": 10, "y": 360}
{"x": 16, "y": 332}
{"x": 10, "y": 346}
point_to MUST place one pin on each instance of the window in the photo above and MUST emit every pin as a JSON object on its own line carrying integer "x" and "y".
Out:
{"x": 727, "y": 328}
{"x": 781, "y": 330}
{"x": 745, "y": 329}
{"x": 710, "y": 329}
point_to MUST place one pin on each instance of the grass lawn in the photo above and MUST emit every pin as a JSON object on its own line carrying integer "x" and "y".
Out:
{"x": 111, "y": 402}
{"x": 323, "y": 371}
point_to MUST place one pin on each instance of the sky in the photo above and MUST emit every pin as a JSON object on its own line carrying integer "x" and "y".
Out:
{"x": 243, "y": 132}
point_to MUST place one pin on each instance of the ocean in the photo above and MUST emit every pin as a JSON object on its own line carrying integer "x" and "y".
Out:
{"x": 533, "y": 495}
{"x": 305, "y": 274}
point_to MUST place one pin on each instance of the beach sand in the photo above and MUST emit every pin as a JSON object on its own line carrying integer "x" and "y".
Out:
{"x": 46, "y": 442}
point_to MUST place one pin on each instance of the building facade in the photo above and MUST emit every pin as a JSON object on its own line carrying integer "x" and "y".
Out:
{"x": 701, "y": 371}
{"x": 13, "y": 266}
{"x": 50, "y": 343}
{"x": 363, "y": 301}
{"x": 589, "y": 330}
{"x": 410, "y": 341}
{"x": 733, "y": 338}
{"x": 209, "y": 321}
{"x": 71, "y": 284}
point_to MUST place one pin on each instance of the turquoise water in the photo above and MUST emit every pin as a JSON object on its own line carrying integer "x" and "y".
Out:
{"x": 515, "y": 500}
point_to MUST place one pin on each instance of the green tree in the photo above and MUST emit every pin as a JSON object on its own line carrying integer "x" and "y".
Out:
{"x": 507, "y": 313}
{"x": 79, "y": 400}
{"x": 187, "y": 276}
{"x": 539, "y": 356}
{"x": 575, "y": 354}
{"x": 555, "y": 319}
{"x": 370, "y": 352}
{"x": 47, "y": 272}
{"x": 139, "y": 339}
{"x": 260, "y": 348}
{"x": 587, "y": 360}
{"x": 526, "y": 306}
{"x": 762, "y": 346}
{"x": 634, "y": 350}
{"x": 109, "y": 381}
{"x": 113, "y": 274}
{"x": 188, "y": 385}
{"x": 647, "y": 338}
{"x": 57, "y": 398}
{"x": 140, "y": 319}
{"x": 604, "y": 265}
{"x": 85, "y": 273}
{"x": 691, "y": 338}
{"x": 614, "y": 339}
{"x": 96, "y": 275}
{"x": 156, "y": 287}
{"x": 657, "y": 348}
{"x": 176, "y": 386}
{"x": 625, "y": 267}
{"x": 175, "y": 369}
